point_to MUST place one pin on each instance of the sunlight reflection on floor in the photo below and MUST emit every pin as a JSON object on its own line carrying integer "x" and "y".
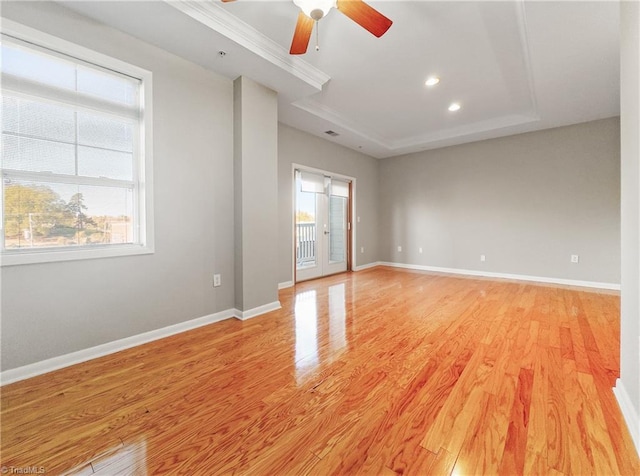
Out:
{"x": 306, "y": 318}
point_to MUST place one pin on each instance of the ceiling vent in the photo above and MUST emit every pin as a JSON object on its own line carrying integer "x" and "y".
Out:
{"x": 332, "y": 133}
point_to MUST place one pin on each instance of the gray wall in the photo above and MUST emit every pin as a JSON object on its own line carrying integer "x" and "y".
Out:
{"x": 256, "y": 194}
{"x": 299, "y": 147}
{"x": 56, "y": 308}
{"x": 527, "y": 202}
{"x": 630, "y": 125}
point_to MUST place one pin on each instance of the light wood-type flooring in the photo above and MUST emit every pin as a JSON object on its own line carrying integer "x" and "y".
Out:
{"x": 377, "y": 372}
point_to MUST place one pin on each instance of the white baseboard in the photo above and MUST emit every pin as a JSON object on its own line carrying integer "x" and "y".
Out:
{"x": 285, "y": 285}
{"x": 367, "y": 266}
{"x": 256, "y": 311}
{"x": 84, "y": 355}
{"x": 517, "y": 277}
{"x": 628, "y": 412}
{"x": 55, "y": 363}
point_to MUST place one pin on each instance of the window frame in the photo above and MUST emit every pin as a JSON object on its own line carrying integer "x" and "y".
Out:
{"x": 143, "y": 211}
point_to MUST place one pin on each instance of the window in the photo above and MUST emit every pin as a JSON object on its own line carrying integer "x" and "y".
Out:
{"x": 76, "y": 156}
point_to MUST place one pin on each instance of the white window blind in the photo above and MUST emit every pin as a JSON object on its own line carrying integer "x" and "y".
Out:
{"x": 72, "y": 151}
{"x": 339, "y": 188}
{"x": 310, "y": 182}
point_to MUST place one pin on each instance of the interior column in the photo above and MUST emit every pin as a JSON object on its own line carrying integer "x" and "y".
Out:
{"x": 255, "y": 189}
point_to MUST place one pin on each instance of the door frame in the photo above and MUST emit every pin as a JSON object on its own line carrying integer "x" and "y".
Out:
{"x": 351, "y": 213}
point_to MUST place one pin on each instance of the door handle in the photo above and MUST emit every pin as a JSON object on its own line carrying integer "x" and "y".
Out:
{"x": 327, "y": 232}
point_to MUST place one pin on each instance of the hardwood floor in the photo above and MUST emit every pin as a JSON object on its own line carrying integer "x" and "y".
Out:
{"x": 378, "y": 372}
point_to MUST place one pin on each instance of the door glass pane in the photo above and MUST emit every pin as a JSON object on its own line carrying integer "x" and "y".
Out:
{"x": 306, "y": 235}
{"x": 337, "y": 229}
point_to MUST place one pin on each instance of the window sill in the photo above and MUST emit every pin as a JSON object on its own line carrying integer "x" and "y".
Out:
{"x": 22, "y": 257}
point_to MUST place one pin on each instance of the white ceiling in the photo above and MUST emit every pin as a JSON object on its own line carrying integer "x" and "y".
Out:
{"x": 513, "y": 66}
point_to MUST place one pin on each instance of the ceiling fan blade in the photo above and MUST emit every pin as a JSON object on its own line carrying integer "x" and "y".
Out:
{"x": 301, "y": 36}
{"x": 367, "y": 17}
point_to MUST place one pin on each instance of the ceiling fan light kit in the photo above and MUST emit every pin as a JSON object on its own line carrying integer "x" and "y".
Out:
{"x": 315, "y": 9}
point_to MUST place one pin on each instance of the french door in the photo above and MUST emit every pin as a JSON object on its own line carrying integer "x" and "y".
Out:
{"x": 321, "y": 225}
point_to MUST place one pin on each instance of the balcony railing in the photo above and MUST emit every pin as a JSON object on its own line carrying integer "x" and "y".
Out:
{"x": 305, "y": 243}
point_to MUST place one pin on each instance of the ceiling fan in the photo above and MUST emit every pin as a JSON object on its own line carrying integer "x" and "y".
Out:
{"x": 313, "y": 11}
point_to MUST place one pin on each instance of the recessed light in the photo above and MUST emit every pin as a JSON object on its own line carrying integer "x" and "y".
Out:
{"x": 454, "y": 106}
{"x": 432, "y": 81}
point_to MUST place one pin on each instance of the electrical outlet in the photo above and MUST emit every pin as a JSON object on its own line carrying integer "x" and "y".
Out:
{"x": 217, "y": 280}
{"x": 358, "y": 220}
{"x": 362, "y": 249}
{"x": 420, "y": 250}
{"x": 399, "y": 248}
{"x": 575, "y": 258}
{"x": 483, "y": 258}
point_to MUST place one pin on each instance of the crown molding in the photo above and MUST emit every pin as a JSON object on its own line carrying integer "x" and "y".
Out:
{"x": 217, "y": 18}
